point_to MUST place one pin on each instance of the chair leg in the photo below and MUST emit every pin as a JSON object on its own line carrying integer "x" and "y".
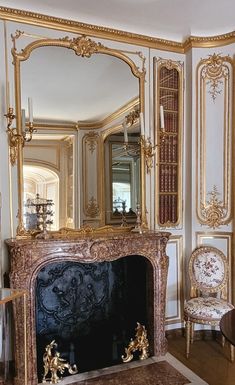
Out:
{"x": 231, "y": 352}
{"x": 223, "y": 341}
{"x": 191, "y": 332}
{"x": 188, "y": 329}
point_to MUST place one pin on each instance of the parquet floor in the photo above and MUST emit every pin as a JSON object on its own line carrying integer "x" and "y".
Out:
{"x": 207, "y": 359}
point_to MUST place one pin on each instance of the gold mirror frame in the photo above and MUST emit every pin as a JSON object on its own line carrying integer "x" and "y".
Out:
{"x": 84, "y": 47}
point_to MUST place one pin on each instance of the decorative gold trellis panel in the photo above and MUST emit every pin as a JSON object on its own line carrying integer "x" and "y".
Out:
{"x": 168, "y": 129}
{"x": 214, "y": 100}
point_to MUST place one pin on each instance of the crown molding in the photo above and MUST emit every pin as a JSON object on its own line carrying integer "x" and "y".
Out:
{"x": 72, "y": 26}
{"x": 209, "y": 41}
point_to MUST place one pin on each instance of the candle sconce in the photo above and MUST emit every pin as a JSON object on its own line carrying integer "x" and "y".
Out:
{"x": 149, "y": 150}
{"x": 146, "y": 146}
{"x": 14, "y": 138}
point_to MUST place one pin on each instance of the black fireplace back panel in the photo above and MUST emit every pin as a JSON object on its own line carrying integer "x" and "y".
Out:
{"x": 90, "y": 310}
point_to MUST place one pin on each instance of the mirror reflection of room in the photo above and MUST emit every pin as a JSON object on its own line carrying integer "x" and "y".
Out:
{"x": 70, "y": 109}
{"x": 49, "y": 175}
{"x": 123, "y": 175}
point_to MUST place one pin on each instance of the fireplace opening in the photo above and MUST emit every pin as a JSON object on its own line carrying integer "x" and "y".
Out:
{"x": 91, "y": 310}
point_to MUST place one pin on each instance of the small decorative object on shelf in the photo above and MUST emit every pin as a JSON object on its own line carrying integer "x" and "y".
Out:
{"x": 54, "y": 363}
{"x": 139, "y": 343}
{"x": 119, "y": 206}
{"x": 138, "y": 227}
{"x": 39, "y": 214}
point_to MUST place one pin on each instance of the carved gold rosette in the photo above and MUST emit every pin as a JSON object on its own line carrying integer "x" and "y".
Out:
{"x": 213, "y": 211}
{"x": 83, "y": 46}
{"x": 213, "y": 71}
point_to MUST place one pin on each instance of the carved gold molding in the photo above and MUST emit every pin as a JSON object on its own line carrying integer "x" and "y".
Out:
{"x": 91, "y": 153}
{"x": 214, "y": 77}
{"x": 213, "y": 211}
{"x": 209, "y": 41}
{"x": 42, "y": 20}
{"x": 66, "y": 233}
{"x": 82, "y": 46}
{"x": 91, "y": 140}
{"x": 86, "y": 125}
{"x": 214, "y": 68}
{"x": 92, "y": 209}
{"x": 115, "y": 115}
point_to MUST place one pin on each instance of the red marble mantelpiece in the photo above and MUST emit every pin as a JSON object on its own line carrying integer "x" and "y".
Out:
{"x": 29, "y": 256}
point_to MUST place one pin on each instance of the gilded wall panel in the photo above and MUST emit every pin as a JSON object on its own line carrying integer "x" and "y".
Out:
{"x": 214, "y": 94}
{"x": 174, "y": 296}
{"x": 91, "y": 180}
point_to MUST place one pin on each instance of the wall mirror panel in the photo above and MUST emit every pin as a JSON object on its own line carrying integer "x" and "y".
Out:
{"x": 68, "y": 89}
{"x": 123, "y": 181}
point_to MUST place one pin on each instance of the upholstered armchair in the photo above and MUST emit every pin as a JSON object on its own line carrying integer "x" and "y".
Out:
{"x": 208, "y": 272}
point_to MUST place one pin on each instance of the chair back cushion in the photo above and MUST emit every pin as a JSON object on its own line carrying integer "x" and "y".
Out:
{"x": 208, "y": 269}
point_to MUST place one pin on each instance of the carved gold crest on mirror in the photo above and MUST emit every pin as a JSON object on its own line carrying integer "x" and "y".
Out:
{"x": 80, "y": 88}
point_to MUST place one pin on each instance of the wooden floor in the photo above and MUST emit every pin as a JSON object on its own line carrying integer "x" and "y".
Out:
{"x": 208, "y": 359}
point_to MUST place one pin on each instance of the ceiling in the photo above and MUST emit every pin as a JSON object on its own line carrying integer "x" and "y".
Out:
{"x": 168, "y": 19}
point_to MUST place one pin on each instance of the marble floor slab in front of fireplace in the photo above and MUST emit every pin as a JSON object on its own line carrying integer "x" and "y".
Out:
{"x": 182, "y": 369}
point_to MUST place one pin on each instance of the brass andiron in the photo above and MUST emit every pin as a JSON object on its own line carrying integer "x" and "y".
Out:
{"x": 54, "y": 363}
{"x": 139, "y": 343}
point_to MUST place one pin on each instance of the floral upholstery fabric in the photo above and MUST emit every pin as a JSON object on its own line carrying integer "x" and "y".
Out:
{"x": 208, "y": 269}
{"x": 208, "y": 308}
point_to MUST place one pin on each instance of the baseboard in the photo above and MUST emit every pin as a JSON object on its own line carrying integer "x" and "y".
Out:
{"x": 198, "y": 334}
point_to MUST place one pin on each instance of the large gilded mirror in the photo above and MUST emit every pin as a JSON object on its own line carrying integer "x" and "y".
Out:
{"x": 75, "y": 97}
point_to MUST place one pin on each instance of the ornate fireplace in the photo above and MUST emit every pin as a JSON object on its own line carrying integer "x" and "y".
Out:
{"x": 29, "y": 257}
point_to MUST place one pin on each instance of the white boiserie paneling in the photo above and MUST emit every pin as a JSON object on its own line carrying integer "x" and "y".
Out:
{"x": 174, "y": 286}
{"x": 214, "y": 137}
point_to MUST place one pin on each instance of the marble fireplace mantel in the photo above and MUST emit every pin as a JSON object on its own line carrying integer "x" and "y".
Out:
{"x": 29, "y": 256}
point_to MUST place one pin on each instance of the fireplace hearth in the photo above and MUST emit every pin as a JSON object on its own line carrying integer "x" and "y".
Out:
{"x": 87, "y": 293}
{"x": 91, "y": 309}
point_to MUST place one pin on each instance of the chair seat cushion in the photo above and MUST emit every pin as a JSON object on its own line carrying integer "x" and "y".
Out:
{"x": 207, "y": 308}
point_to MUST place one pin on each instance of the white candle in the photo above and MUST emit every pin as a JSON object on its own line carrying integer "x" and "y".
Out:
{"x": 162, "y": 123}
{"x": 125, "y": 132}
{"x": 23, "y": 120}
{"x": 142, "y": 122}
{"x": 30, "y": 107}
{"x": 10, "y": 95}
